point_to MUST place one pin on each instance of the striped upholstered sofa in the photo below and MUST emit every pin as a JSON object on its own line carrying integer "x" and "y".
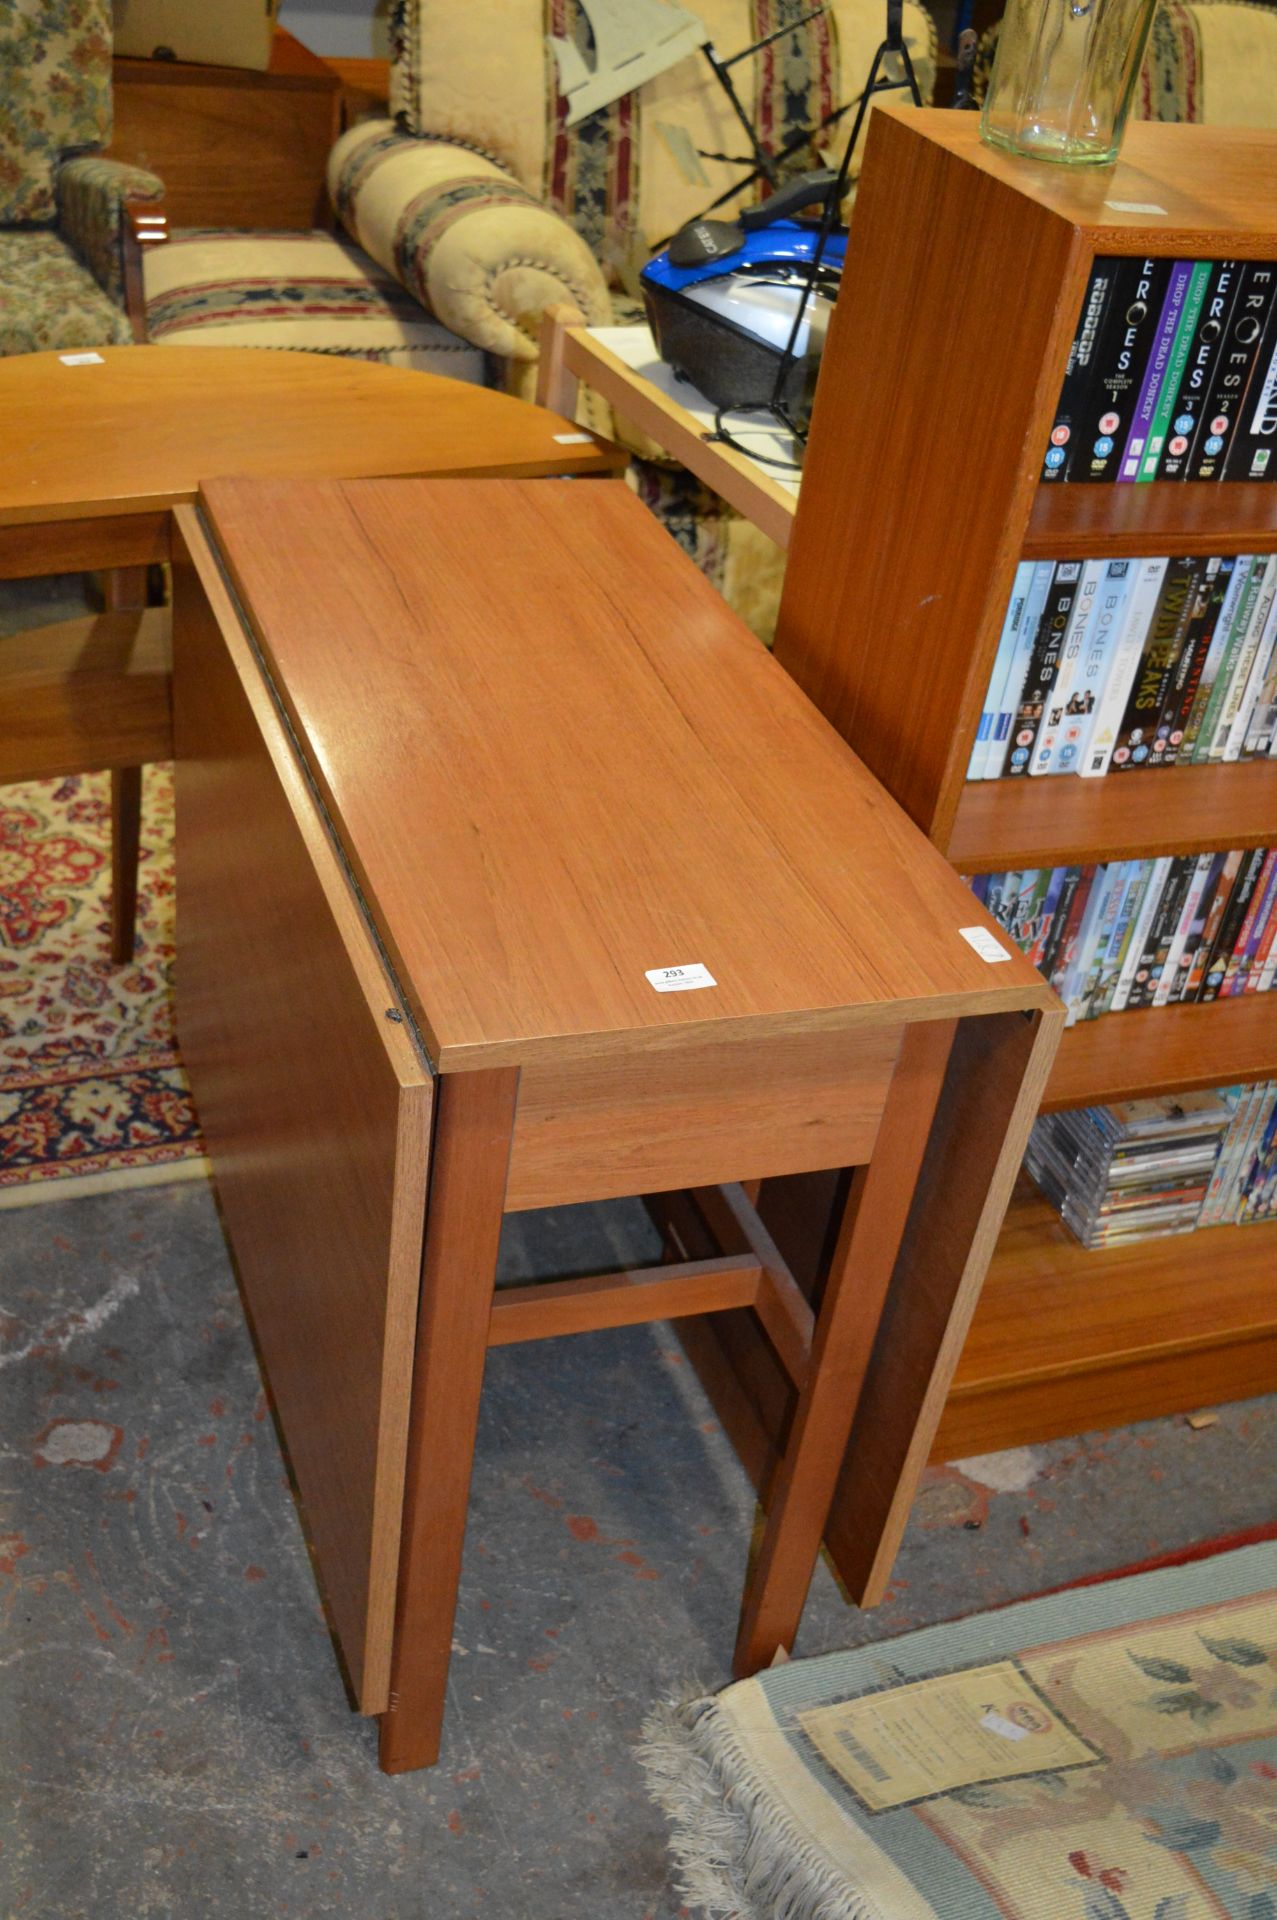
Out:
{"x": 472, "y": 206}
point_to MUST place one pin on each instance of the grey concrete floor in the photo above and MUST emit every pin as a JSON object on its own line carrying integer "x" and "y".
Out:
{"x": 174, "y": 1735}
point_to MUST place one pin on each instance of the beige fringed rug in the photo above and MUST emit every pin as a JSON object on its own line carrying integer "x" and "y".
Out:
{"x": 1109, "y": 1753}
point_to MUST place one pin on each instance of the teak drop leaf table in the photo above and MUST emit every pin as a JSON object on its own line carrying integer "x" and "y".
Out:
{"x": 465, "y": 770}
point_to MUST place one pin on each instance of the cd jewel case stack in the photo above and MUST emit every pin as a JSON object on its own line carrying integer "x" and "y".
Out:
{"x": 1135, "y": 1170}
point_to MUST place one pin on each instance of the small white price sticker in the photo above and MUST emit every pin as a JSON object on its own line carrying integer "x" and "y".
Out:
{"x": 573, "y": 439}
{"x": 679, "y": 979}
{"x": 984, "y": 944}
{"x": 81, "y": 359}
{"x": 1137, "y": 206}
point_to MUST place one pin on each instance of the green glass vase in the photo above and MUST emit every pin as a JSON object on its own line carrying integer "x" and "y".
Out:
{"x": 1063, "y": 77}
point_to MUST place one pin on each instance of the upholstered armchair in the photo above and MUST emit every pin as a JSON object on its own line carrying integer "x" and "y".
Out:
{"x": 71, "y": 224}
{"x": 70, "y": 221}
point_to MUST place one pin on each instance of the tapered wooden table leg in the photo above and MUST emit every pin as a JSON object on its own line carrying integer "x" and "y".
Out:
{"x": 475, "y": 1119}
{"x": 859, "y": 1276}
{"x": 126, "y": 834}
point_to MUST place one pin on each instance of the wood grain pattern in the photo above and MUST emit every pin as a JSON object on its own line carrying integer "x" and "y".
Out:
{"x": 83, "y": 694}
{"x": 1067, "y": 821}
{"x": 463, "y": 1232}
{"x": 234, "y": 147}
{"x": 1221, "y": 1044}
{"x": 842, "y": 1343}
{"x": 31, "y": 546}
{"x": 1123, "y": 1326}
{"x": 929, "y": 564}
{"x": 575, "y": 357}
{"x": 139, "y": 432}
{"x": 937, "y": 217}
{"x": 597, "y": 1129}
{"x": 754, "y": 1408}
{"x": 315, "y": 1106}
{"x": 625, "y": 1299}
{"x": 621, "y": 781}
{"x": 1191, "y": 184}
{"x": 997, "y": 1070}
{"x": 783, "y": 1312}
{"x": 1199, "y": 516}
{"x": 541, "y": 782}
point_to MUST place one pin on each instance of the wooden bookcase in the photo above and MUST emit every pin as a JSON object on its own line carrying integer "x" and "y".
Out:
{"x": 965, "y": 276}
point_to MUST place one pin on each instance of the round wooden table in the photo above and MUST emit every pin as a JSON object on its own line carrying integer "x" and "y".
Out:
{"x": 100, "y": 446}
{"x": 124, "y": 433}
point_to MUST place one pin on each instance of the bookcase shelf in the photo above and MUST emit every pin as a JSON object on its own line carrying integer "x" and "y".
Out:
{"x": 1130, "y": 1056}
{"x": 1122, "y": 1332}
{"x": 1197, "y": 516}
{"x": 1124, "y": 816}
{"x": 966, "y": 273}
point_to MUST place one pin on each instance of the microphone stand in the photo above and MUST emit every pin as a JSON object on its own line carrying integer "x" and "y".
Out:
{"x": 879, "y": 81}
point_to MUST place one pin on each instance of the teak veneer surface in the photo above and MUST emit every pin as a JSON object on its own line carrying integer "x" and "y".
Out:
{"x": 1068, "y": 821}
{"x": 1195, "y": 516}
{"x": 920, "y": 495}
{"x": 1172, "y": 184}
{"x": 140, "y": 429}
{"x": 1166, "y": 1050}
{"x": 1126, "y": 1329}
{"x": 552, "y": 778}
{"x": 83, "y": 694}
{"x": 315, "y": 1107}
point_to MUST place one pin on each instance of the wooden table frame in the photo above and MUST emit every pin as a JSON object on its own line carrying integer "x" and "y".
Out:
{"x": 364, "y": 1188}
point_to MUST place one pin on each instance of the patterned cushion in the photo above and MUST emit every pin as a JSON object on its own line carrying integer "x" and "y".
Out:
{"x": 476, "y": 248}
{"x": 49, "y": 299}
{"x": 55, "y": 93}
{"x": 300, "y": 290}
{"x": 626, "y": 176}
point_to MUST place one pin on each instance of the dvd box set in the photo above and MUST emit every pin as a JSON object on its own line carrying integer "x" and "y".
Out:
{"x": 1143, "y": 1168}
{"x": 1120, "y": 935}
{"x": 1172, "y": 375}
{"x": 1108, "y": 666}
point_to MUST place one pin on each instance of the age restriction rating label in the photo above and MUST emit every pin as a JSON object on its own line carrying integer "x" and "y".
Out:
{"x": 679, "y": 979}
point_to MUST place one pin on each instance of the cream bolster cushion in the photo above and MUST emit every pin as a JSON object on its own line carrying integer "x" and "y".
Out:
{"x": 478, "y": 250}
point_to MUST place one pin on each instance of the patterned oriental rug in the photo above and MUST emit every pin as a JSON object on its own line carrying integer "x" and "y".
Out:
{"x": 1106, "y": 1753}
{"x": 92, "y": 1094}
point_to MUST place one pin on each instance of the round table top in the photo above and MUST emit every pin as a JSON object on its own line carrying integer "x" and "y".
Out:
{"x": 134, "y": 429}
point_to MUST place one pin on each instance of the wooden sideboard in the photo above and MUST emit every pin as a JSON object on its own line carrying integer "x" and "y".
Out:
{"x": 234, "y": 147}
